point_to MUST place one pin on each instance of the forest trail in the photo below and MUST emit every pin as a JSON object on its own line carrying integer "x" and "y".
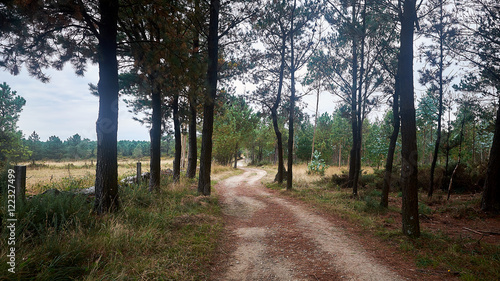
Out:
{"x": 273, "y": 238}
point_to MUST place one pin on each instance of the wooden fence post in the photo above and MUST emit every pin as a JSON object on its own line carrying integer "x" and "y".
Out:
{"x": 20, "y": 183}
{"x": 139, "y": 174}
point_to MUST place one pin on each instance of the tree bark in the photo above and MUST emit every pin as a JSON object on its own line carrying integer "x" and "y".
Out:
{"x": 491, "y": 195}
{"x": 155, "y": 137}
{"x": 384, "y": 202}
{"x": 440, "y": 110}
{"x": 209, "y": 103}
{"x": 178, "y": 139}
{"x": 192, "y": 142}
{"x": 409, "y": 153}
{"x": 274, "y": 114}
{"x": 359, "y": 115}
{"x": 315, "y": 124}
{"x": 193, "y": 146}
{"x": 354, "y": 104}
{"x": 289, "y": 175}
{"x": 236, "y": 156}
{"x": 106, "y": 182}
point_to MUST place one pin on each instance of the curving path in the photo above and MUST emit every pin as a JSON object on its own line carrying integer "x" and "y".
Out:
{"x": 272, "y": 238}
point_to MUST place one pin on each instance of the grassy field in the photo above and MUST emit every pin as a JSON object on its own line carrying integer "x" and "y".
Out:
{"x": 43, "y": 175}
{"x": 446, "y": 246}
{"x": 170, "y": 235}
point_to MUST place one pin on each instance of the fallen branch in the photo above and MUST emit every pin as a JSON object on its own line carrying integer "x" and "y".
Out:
{"x": 433, "y": 271}
{"x": 481, "y": 232}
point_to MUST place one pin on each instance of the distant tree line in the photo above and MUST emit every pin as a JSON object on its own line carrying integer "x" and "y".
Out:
{"x": 78, "y": 148}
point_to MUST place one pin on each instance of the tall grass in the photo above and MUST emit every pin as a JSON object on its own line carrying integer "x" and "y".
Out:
{"x": 47, "y": 175}
{"x": 169, "y": 235}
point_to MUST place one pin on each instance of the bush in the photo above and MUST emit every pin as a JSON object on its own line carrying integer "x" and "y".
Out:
{"x": 466, "y": 179}
{"x": 317, "y": 165}
{"x": 54, "y": 211}
{"x": 340, "y": 180}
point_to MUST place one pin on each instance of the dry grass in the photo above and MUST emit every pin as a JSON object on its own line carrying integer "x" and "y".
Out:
{"x": 302, "y": 179}
{"x": 167, "y": 235}
{"x": 48, "y": 172}
{"x": 220, "y": 172}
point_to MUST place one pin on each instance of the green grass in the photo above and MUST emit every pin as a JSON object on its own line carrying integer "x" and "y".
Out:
{"x": 170, "y": 235}
{"x": 432, "y": 251}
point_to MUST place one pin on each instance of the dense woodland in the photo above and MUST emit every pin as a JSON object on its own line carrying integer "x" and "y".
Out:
{"x": 177, "y": 61}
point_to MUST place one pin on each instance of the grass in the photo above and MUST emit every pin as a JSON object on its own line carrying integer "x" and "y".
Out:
{"x": 44, "y": 175}
{"x": 434, "y": 250}
{"x": 170, "y": 235}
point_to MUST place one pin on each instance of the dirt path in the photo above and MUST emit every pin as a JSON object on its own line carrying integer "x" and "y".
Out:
{"x": 273, "y": 238}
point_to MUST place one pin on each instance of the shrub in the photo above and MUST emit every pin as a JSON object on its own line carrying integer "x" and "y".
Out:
{"x": 54, "y": 211}
{"x": 317, "y": 165}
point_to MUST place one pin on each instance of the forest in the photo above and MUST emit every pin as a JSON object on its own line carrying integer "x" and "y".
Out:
{"x": 416, "y": 89}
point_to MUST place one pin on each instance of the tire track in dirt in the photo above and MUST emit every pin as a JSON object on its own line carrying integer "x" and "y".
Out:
{"x": 272, "y": 238}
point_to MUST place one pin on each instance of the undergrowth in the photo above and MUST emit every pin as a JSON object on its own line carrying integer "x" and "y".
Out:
{"x": 169, "y": 235}
{"x": 464, "y": 257}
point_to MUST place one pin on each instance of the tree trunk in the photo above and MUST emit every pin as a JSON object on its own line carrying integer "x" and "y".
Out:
{"x": 178, "y": 139}
{"x": 459, "y": 157}
{"x": 448, "y": 148}
{"x": 315, "y": 124}
{"x": 384, "y": 202}
{"x": 409, "y": 153}
{"x": 354, "y": 104}
{"x": 274, "y": 114}
{"x": 106, "y": 182}
{"x": 340, "y": 155}
{"x": 193, "y": 146}
{"x": 155, "y": 137}
{"x": 183, "y": 147}
{"x": 440, "y": 110}
{"x": 236, "y": 157}
{"x": 289, "y": 175}
{"x": 193, "y": 149}
{"x": 209, "y": 102}
{"x": 491, "y": 194}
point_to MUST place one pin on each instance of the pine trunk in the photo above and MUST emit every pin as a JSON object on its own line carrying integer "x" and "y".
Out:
{"x": 106, "y": 182}
{"x": 440, "y": 110}
{"x": 155, "y": 137}
{"x": 354, "y": 104}
{"x": 193, "y": 146}
{"x": 491, "y": 194}
{"x": 384, "y": 202}
{"x": 289, "y": 175}
{"x": 209, "y": 103}
{"x": 192, "y": 143}
{"x": 178, "y": 139}
{"x": 274, "y": 115}
{"x": 409, "y": 152}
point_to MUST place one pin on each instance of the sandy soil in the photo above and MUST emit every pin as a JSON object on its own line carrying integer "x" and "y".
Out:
{"x": 269, "y": 237}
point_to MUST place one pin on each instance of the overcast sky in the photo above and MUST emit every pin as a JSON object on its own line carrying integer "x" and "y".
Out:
{"x": 64, "y": 106}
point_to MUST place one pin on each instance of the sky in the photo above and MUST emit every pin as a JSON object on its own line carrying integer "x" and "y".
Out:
{"x": 64, "y": 106}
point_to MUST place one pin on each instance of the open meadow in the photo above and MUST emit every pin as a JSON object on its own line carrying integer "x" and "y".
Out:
{"x": 47, "y": 174}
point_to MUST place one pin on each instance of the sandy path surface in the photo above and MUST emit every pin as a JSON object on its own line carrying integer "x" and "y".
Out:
{"x": 273, "y": 238}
